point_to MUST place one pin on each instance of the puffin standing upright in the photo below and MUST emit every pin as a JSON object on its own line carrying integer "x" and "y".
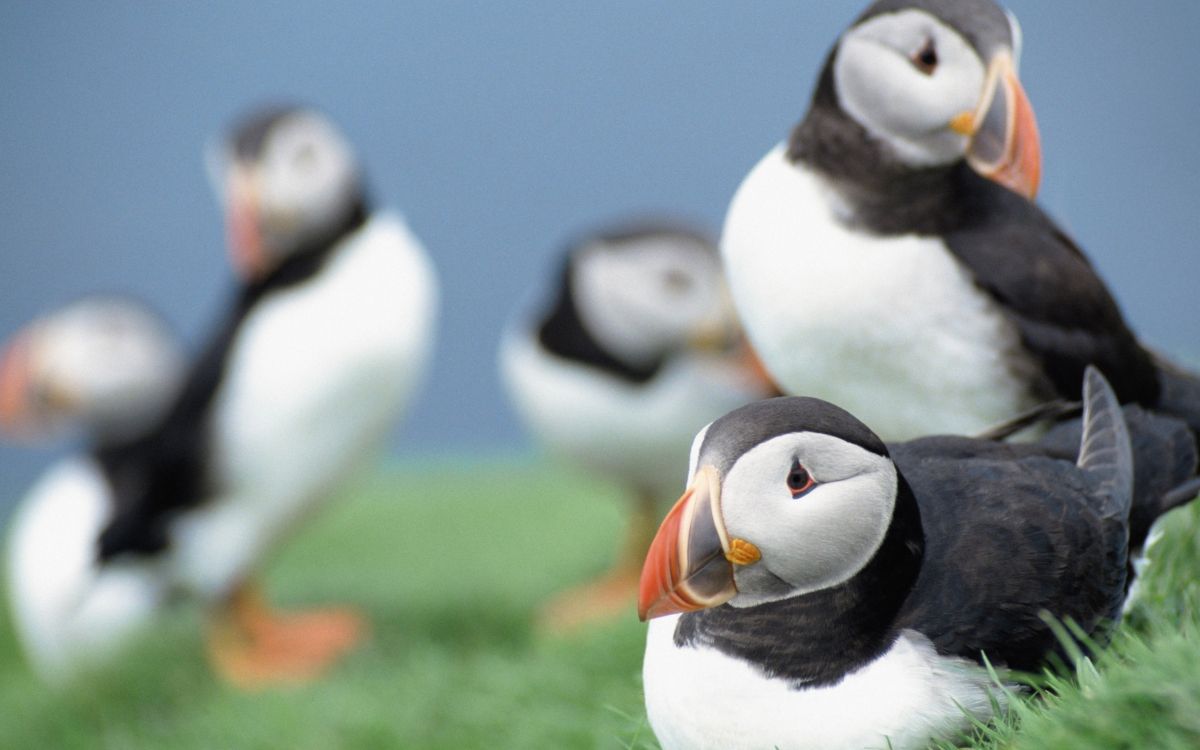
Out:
{"x": 637, "y": 348}
{"x": 327, "y": 338}
{"x": 839, "y": 593}
{"x": 888, "y": 257}
{"x": 109, "y": 367}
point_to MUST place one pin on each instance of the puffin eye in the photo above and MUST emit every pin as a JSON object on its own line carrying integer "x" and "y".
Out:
{"x": 676, "y": 281}
{"x": 798, "y": 479}
{"x": 305, "y": 156}
{"x": 926, "y": 58}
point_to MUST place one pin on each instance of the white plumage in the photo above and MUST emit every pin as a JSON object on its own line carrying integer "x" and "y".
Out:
{"x": 633, "y": 432}
{"x": 70, "y": 613}
{"x": 701, "y": 699}
{"x": 883, "y": 326}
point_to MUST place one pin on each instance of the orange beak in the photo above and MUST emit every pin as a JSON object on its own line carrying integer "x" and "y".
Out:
{"x": 688, "y": 565}
{"x": 1005, "y": 145}
{"x": 15, "y": 386}
{"x": 246, "y": 247}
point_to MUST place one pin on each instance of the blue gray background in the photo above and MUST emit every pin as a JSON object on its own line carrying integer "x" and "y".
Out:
{"x": 501, "y": 128}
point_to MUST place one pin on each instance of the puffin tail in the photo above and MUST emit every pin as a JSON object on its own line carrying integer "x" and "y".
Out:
{"x": 1105, "y": 453}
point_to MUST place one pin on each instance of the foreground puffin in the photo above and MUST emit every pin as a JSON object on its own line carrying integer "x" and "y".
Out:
{"x": 889, "y": 258}
{"x": 634, "y": 352}
{"x": 840, "y": 593}
{"x": 107, "y": 367}
{"x": 320, "y": 351}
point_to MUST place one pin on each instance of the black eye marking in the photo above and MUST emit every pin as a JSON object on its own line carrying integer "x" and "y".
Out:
{"x": 799, "y": 481}
{"x": 926, "y": 58}
{"x": 676, "y": 281}
{"x": 305, "y": 156}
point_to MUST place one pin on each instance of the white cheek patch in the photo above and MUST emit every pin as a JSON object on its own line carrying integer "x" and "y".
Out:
{"x": 1018, "y": 39}
{"x": 309, "y": 193}
{"x": 909, "y": 110}
{"x": 694, "y": 456}
{"x": 822, "y": 538}
{"x": 622, "y": 300}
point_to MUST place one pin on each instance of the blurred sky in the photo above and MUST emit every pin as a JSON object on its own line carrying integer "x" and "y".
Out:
{"x": 499, "y": 129}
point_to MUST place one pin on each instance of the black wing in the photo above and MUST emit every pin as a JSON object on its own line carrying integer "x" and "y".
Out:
{"x": 1006, "y": 540}
{"x": 165, "y": 470}
{"x": 1066, "y": 317}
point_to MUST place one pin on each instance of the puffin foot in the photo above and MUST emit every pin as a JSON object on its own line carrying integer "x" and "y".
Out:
{"x": 252, "y": 647}
{"x": 604, "y": 599}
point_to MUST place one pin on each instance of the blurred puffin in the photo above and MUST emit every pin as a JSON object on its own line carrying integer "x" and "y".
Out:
{"x": 636, "y": 350}
{"x": 109, "y": 367}
{"x": 888, "y": 257}
{"x": 838, "y": 592}
{"x": 321, "y": 349}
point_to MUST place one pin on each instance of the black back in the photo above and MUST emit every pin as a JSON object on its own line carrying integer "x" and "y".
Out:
{"x": 166, "y": 470}
{"x": 1007, "y": 541}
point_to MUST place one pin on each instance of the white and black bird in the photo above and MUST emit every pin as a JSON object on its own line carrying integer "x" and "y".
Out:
{"x": 105, "y": 367}
{"x": 321, "y": 349}
{"x": 888, "y": 256}
{"x": 816, "y": 588}
{"x": 636, "y": 349}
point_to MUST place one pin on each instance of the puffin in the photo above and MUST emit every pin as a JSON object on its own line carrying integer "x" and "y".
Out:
{"x": 320, "y": 350}
{"x": 816, "y": 587}
{"x": 106, "y": 367}
{"x": 889, "y": 255}
{"x": 635, "y": 348}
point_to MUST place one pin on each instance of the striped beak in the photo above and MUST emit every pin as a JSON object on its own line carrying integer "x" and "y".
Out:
{"x": 246, "y": 247}
{"x": 16, "y": 386}
{"x": 1004, "y": 143}
{"x": 689, "y": 563}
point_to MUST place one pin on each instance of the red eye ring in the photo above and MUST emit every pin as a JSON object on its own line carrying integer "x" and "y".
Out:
{"x": 799, "y": 481}
{"x": 926, "y": 58}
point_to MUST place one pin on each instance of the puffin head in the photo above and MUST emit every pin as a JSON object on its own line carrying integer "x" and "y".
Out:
{"x": 786, "y": 496}
{"x": 106, "y": 364}
{"x": 287, "y": 179}
{"x": 935, "y": 81}
{"x": 647, "y": 293}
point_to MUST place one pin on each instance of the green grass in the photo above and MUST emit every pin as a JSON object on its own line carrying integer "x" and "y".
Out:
{"x": 449, "y": 562}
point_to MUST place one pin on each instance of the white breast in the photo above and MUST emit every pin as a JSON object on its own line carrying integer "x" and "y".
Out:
{"x": 636, "y": 433}
{"x": 317, "y": 375}
{"x": 68, "y": 611}
{"x": 701, "y": 699}
{"x": 890, "y": 328}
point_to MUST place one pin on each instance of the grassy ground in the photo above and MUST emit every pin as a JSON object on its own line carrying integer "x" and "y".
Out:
{"x": 449, "y": 563}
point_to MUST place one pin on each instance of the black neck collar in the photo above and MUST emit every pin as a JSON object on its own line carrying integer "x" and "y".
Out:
{"x": 562, "y": 333}
{"x": 305, "y": 261}
{"x": 883, "y": 195}
{"x": 818, "y": 638}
